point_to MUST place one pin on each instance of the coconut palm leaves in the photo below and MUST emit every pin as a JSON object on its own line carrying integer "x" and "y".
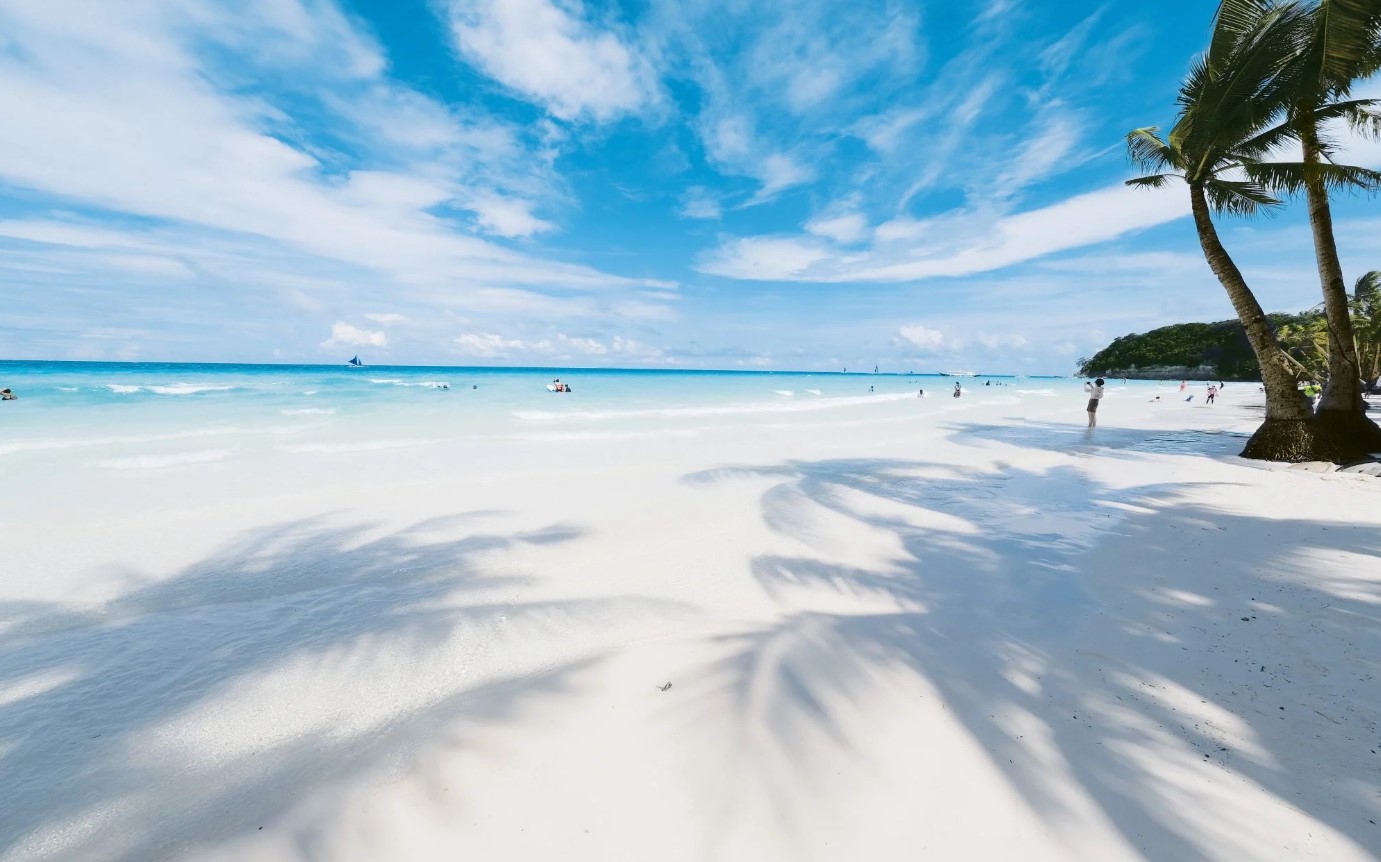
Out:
{"x": 1230, "y": 98}
{"x": 1366, "y": 323}
{"x": 1339, "y": 43}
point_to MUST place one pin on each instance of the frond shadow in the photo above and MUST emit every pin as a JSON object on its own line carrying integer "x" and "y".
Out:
{"x": 98, "y": 698}
{"x": 1004, "y": 580}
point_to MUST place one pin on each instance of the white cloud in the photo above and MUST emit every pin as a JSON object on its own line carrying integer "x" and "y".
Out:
{"x": 343, "y": 334}
{"x": 922, "y": 337}
{"x": 181, "y": 142}
{"x": 587, "y": 346}
{"x": 847, "y": 228}
{"x": 1051, "y": 147}
{"x": 550, "y": 55}
{"x": 762, "y": 258}
{"x": 507, "y": 217}
{"x": 969, "y": 242}
{"x": 1001, "y": 342}
{"x": 779, "y": 172}
{"x": 486, "y": 345}
{"x": 699, "y": 203}
{"x": 629, "y": 347}
{"x": 386, "y": 319}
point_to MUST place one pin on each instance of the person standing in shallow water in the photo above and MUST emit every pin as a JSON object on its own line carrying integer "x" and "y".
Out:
{"x": 957, "y": 391}
{"x": 1095, "y": 394}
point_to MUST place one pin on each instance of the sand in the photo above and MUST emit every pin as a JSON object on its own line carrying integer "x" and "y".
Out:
{"x": 975, "y": 636}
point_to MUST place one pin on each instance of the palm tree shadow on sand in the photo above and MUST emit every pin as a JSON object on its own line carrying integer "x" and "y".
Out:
{"x": 91, "y": 747}
{"x": 987, "y": 613}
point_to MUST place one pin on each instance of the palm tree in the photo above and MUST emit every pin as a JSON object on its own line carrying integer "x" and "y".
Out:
{"x": 1231, "y": 96}
{"x": 1366, "y": 325}
{"x": 1340, "y": 43}
{"x": 1305, "y": 341}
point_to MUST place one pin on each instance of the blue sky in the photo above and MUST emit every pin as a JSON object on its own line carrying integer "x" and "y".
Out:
{"x": 807, "y": 185}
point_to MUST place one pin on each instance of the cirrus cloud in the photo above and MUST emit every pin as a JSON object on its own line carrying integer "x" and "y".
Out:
{"x": 343, "y": 334}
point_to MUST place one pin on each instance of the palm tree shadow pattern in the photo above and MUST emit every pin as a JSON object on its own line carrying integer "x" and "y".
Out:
{"x": 90, "y": 744}
{"x": 988, "y": 616}
{"x": 1106, "y": 441}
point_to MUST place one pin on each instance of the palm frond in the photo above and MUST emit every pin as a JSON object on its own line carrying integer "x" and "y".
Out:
{"x": 1153, "y": 181}
{"x": 1264, "y": 143}
{"x": 1342, "y": 47}
{"x": 1239, "y": 197}
{"x": 1239, "y": 88}
{"x": 1292, "y": 177}
{"x": 1363, "y": 116}
{"x": 1148, "y": 152}
{"x": 1368, "y": 287}
{"x": 1234, "y": 21}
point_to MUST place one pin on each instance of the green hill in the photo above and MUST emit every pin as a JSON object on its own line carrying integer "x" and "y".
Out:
{"x": 1195, "y": 351}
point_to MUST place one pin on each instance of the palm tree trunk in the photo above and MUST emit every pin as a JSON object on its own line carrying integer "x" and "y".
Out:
{"x": 1287, "y": 434}
{"x": 1283, "y": 398}
{"x": 1342, "y": 405}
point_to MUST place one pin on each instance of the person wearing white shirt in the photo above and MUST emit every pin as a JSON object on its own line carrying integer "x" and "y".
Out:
{"x": 1095, "y": 394}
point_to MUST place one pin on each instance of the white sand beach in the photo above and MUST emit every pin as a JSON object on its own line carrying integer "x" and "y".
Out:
{"x": 978, "y": 635}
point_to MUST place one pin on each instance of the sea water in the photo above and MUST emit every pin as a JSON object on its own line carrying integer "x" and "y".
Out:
{"x": 139, "y": 416}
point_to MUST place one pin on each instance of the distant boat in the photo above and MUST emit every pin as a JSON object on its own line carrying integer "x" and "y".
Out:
{"x": 875, "y": 369}
{"x": 356, "y": 362}
{"x": 958, "y": 373}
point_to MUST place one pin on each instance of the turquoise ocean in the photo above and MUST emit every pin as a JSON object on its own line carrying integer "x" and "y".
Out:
{"x": 157, "y": 414}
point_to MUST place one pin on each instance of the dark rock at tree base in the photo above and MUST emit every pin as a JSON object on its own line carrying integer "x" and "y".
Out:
{"x": 1359, "y": 431}
{"x": 1296, "y": 441}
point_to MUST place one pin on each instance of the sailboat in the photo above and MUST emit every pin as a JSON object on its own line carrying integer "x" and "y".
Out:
{"x": 355, "y": 362}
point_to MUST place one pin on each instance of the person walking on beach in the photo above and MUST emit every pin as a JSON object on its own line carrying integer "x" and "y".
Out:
{"x": 1095, "y": 394}
{"x": 1212, "y": 393}
{"x": 1183, "y": 384}
{"x": 957, "y": 390}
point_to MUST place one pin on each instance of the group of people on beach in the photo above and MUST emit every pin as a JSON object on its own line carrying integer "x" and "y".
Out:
{"x": 7, "y": 395}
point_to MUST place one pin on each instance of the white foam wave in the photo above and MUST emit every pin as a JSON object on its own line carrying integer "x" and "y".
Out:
{"x": 32, "y": 444}
{"x": 578, "y": 436}
{"x": 152, "y": 462}
{"x": 719, "y": 410}
{"x": 393, "y": 381}
{"x": 815, "y": 392}
{"x": 169, "y": 389}
{"x": 785, "y": 393}
{"x": 359, "y": 446}
{"x": 68, "y": 388}
{"x": 188, "y": 388}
